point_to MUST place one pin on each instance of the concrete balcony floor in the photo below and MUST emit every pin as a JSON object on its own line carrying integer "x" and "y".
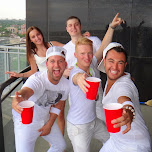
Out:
{"x": 41, "y": 144}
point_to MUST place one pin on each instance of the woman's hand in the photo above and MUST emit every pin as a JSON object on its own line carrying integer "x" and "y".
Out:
{"x": 14, "y": 74}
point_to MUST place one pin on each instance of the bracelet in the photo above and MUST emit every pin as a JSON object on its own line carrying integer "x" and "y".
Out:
{"x": 111, "y": 26}
{"x": 129, "y": 107}
{"x": 132, "y": 110}
{"x": 55, "y": 110}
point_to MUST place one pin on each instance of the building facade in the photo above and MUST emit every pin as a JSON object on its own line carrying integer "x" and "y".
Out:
{"x": 135, "y": 35}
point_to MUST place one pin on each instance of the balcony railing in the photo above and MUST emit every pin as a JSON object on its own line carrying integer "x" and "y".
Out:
{"x": 12, "y": 58}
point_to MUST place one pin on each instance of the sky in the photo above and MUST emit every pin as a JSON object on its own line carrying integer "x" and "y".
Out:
{"x": 13, "y": 9}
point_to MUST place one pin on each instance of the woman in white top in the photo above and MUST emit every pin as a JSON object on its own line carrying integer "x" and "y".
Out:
{"x": 36, "y": 51}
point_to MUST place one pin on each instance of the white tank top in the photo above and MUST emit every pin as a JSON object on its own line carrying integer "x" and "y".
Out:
{"x": 40, "y": 61}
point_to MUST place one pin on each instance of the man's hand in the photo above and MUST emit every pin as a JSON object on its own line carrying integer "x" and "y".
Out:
{"x": 87, "y": 34}
{"x": 81, "y": 82}
{"x": 125, "y": 119}
{"x": 45, "y": 130}
{"x": 15, "y": 102}
{"x": 67, "y": 72}
{"x": 116, "y": 21}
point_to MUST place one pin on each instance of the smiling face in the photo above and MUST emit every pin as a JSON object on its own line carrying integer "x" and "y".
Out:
{"x": 84, "y": 55}
{"x": 56, "y": 65}
{"x": 73, "y": 27}
{"x": 114, "y": 63}
{"x": 36, "y": 37}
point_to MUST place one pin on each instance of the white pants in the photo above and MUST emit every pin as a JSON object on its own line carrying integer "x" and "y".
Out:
{"x": 81, "y": 135}
{"x": 113, "y": 146}
{"x": 26, "y": 136}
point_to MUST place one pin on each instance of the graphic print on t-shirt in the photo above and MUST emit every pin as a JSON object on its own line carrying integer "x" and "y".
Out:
{"x": 49, "y": 98}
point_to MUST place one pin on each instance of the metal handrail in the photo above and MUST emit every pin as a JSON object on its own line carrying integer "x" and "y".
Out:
{"x": 2, "y": 87}
{"x": 7, "y": 51}
{"x": 13, "y": 47}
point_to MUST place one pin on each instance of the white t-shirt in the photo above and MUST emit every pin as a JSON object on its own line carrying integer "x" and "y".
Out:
{"x": 81, "y": 110}
{"x": 71, "y": 60}
{"x": 70, "y": 47}
{"x": 138, "y": 135}
{"x": 45, "y": 94}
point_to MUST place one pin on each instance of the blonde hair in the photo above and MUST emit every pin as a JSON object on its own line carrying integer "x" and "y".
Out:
{"x": 83, "y": 41}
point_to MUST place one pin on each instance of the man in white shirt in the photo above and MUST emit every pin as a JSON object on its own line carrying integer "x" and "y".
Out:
{"x": 49, "y": 90}
{"x": 121, "y": 89}
{"x": 82, "y": 123}
{"x": 73, "y": 27}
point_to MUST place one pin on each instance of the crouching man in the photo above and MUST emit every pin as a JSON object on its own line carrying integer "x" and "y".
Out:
{"x": 48, "y": 90}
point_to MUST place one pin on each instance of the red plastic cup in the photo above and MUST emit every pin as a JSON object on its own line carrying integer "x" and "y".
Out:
{"x": 93, "y": 90}
{"x": 112, "y": 111}
{"x": 27, "y": 113}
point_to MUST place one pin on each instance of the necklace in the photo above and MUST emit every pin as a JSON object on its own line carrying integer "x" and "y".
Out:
{"x": 90, "y": 71}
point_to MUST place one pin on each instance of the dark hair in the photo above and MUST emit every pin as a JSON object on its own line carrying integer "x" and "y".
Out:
{"x": 73, "y": 17}
{"x": 121, "y": 50}
{"x": 30, "y": 46}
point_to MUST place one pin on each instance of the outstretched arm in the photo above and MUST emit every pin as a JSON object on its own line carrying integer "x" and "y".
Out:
{"x": 25, "y": 93}
{"x": 26, "y": 74}
{"x": 80, "y": 80}
{"x": 127, "y": 115}
{"x": 108, "y": 36}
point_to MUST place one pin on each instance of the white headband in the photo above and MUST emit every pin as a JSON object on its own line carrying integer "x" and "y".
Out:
{"x": 109, "y": 47}
{"x": 55, "y": 50}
